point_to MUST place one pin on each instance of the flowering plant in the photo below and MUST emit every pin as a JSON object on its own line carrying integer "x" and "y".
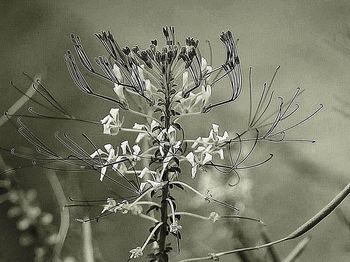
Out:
{"x": 165, "y": 85}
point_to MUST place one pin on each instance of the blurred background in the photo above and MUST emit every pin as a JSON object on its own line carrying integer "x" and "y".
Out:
{"x": 310, "y": 40}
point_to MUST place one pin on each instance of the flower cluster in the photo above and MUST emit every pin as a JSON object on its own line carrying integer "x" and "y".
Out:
{"x": 112, "y": 123}
{"x": 163, "y": 84}
{"x": 169, "y": 83}
{"x": 205, "y": 148}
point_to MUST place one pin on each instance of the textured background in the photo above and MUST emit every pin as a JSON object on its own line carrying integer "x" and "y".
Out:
{"x": 309, "y": 39}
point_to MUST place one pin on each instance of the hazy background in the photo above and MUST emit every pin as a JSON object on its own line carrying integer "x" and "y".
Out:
{"x": 309, "y": 39}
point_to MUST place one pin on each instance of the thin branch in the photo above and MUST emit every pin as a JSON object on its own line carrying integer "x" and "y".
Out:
{"x": 306, "y": 227}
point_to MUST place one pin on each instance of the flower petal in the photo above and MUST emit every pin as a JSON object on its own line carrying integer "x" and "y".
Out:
{"x": 125, "y": 145}
{"x": 119, "y": 91}
{"x": 190, "y": 158}
{"x": 143, "y": 172}
{"x": 103, "y": 172}
{"x": 208, "y": 157}
{"x": 194, "y": 171}
{"x": 117, "y": 73}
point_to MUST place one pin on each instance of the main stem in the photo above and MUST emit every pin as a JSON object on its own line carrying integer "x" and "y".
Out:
{"x": 165, "y": 189}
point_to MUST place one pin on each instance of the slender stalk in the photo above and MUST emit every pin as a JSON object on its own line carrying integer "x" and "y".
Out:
{"x": 164, "y": 218}
{"x": 304, "y": 228}
{"x": 165, "y": 189}
{"x": 151, "y": 216}
{"x": 88, "y": 250}
{"x": 62, "y": 201}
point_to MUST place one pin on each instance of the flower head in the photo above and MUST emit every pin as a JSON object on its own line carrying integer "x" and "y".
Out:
{"x": 136, "y": 252}
{"x": 147, "y": 130}
{"x": 174, "y": 227}
{"x": 109, "y": 157}
{"x": 111, "y": 123}
{"x": 131, "y": 153}
{"x": 214, "y": 217}
{"x": 199, "y": 157}
{"x": 111, "y": 204}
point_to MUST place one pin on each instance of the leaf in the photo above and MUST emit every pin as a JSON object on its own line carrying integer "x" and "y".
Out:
{"x": 174, "y": 169}
{"x": 176, "y": 160}
{"x": 177, "y": 126}
{"x": 152, "y": 193}
{"x": 153, "y": 207}
{"x": 179, "y": 186}
{"x": 156, "y": 128}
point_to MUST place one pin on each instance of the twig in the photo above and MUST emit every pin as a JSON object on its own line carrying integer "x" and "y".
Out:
{"x": 62, "y": 201}
{"x": 307, "y": 226}
{"x": 271, "y": 250}
{"x": 19, "y": 103}
{"x": 88, "y": 250}
{"x": 296, "y": 252}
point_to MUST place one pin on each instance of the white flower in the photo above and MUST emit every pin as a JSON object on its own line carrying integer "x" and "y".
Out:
{"x": 110, "y": 156}
{"x": 213, "y": 143}
{"x": 132, "y": 154}
{"x": 144, "y": 171}
{"x": 124, "y": 207}
{"x": 141, "y": 135}
{"x": 190, "y": 157}
{"x": 156, "y": 182}
{"x": 148, "y": 130}
{"x": 205, "y": 95}
{"x": 188, "y": 104}
{"x": 214, "y": 135}
{"x": 174, "y": 227}
{"x": 214, "y": 217}
{"x": 184, "y": 81}
{"x": 136, "y": 252}
{"x": 167, "y": 137}
{"x": 154, "y": 124}
{"x": 201, "y": 157}
{"x": 205, "y": 68}
{"x": 203, "y": 64}
{"x": 166, "y": 133}
{"x": 193, "y": 102}
{"x": 119, "y": 91}
{"x": 150, "y": 89}
{"x": 135, "y": 209}
{"x": 117, "y": 73}
{"x": 140, "y": 70}
{"x": 112, "y": 123}
{"x": 110, "y": 206}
